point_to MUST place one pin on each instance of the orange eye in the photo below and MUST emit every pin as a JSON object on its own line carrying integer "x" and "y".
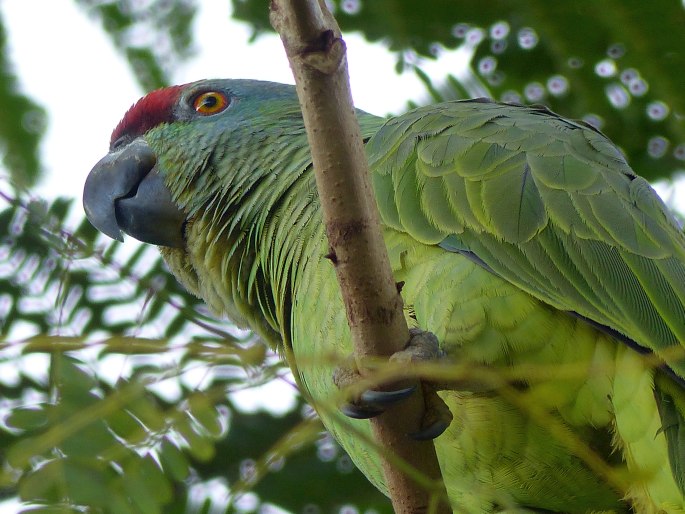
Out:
{"x": 210, "y": 102}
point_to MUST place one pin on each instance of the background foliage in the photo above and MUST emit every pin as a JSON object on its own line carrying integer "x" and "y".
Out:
{"x": 116, "y": 387}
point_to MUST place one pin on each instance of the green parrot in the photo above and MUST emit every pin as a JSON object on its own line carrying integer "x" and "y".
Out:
{"x": 526, "y": 245}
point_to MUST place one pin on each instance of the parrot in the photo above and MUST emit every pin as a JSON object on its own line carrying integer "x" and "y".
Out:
{"x": 524, "y": 242}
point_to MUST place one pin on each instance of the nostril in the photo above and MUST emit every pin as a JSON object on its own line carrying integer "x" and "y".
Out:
{"x": 118, "y": 143}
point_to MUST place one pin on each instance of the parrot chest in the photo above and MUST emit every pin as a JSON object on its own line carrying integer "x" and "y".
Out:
{"x": 494, "y": 449}
{"x": 229, "y": 282}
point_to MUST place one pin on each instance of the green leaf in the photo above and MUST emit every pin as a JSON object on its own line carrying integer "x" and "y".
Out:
{"x": 84, "y": 485}
{"x": 206, "y": 414}
{"x": 126, "y": 426}
{"x": 46, "y": 484}
{"x": 22, "y": 124}
{"x": 27, "y": 418}
{"x": 145, "y": 485}
{"x": 148, "y": 413}
{"x": 173, "y": 460}
{"x": 199, "y": 446}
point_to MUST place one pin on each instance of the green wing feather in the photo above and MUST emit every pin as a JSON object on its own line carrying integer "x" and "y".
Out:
{"x": 546, "y": 203}
{"x": 551, "y": 206}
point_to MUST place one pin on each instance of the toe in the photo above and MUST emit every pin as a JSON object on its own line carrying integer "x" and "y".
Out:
{"x": 355, "y": 411}
{"x": 386, "y": 398}
{"x": 430, "y": 432}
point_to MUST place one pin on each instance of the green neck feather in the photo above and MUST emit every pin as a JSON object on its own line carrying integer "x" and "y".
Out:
{"x": 250, "y": 190}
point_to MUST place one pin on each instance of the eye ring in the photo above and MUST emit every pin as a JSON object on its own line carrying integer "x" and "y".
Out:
{"x": 210, "y": 102}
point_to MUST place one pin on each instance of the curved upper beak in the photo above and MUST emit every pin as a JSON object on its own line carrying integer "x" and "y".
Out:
{"x": 125, "y": 192}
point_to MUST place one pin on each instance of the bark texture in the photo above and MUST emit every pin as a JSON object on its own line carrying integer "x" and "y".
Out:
{"x": 317, "y": 56}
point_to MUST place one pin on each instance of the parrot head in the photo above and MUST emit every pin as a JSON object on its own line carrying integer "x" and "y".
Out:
{"x": 178, "y": 148}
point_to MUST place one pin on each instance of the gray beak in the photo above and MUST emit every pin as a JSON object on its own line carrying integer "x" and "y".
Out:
{"x": 125, "y": 192}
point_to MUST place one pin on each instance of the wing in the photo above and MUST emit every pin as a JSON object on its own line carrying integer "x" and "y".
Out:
{"x": 548, "y": 204}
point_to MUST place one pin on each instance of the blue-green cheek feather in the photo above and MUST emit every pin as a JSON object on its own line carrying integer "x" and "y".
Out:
{"x": 501, "y": 221}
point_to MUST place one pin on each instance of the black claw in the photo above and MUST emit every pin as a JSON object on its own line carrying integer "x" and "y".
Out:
{"x": 430, "y": 432}
{"x": 358, "y": 412}
{"x": 372, "y": 403}
{"x": 386, "y": 398}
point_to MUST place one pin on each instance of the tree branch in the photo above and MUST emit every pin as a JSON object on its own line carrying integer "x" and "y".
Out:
{"x": 317, "y": 56}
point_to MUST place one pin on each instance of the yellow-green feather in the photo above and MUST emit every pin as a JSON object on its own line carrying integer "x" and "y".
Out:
{"x": 563, "y": 184}
{"x": 494, "y": 454}
{"x": 547, "y": 217}
{"x": 551, "y": 206}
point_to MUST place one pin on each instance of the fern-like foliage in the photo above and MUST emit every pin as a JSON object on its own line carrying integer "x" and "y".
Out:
{"x": 118, "y": 387}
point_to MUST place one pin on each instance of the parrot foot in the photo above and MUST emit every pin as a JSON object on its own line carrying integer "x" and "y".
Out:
{"x": 423, "y": 346}
{"x": 436, "y": 416}
{"x": 370, "y": 403}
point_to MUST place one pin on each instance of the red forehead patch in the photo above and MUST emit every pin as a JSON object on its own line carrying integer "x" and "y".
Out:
{"x": 148, "y": 112}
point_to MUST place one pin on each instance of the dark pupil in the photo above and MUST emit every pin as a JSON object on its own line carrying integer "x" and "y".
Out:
{"x": 209, "y": 101}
